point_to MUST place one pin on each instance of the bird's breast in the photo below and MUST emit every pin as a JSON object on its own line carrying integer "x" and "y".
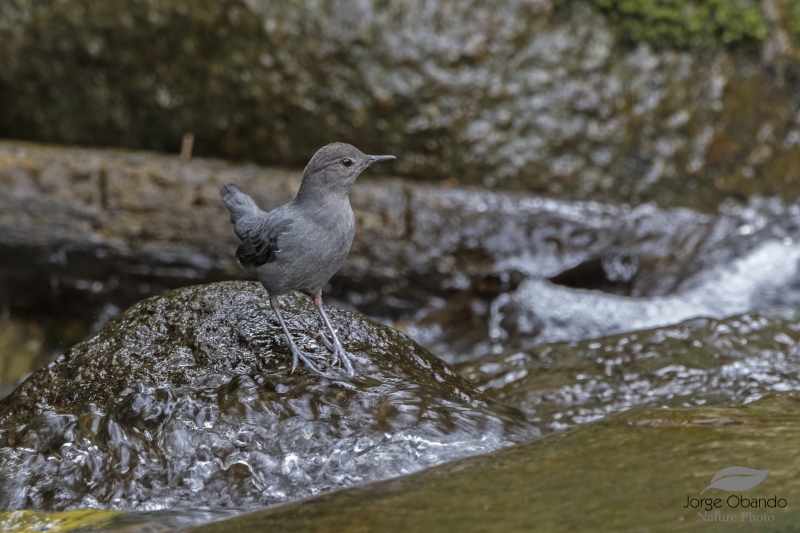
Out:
{"x": 337, "y": 232}
{"x": 322, "y": 241}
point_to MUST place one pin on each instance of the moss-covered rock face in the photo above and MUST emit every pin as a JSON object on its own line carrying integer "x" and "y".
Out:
{"x": 687, "y": 23}
{"x": 186, "y": 400}
{"x": 516, "y": 94}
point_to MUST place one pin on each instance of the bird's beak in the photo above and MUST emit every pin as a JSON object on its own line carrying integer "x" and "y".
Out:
{"x": 378, "y": 158}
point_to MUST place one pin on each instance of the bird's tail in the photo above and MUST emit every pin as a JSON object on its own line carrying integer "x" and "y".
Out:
{"x": 238, "y": 202}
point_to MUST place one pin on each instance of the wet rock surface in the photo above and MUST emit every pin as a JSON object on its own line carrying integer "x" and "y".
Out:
{"x": 532, "y": 94}
{"x": 698, "y": 362}
{"x": 186, "y": 400}
{"x": 483, "y": 278}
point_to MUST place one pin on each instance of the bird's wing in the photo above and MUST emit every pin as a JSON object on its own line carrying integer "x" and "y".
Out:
{"x": 261, "y": 241}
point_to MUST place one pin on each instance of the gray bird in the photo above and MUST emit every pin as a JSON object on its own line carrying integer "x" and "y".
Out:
{"x": 300, "y": 245}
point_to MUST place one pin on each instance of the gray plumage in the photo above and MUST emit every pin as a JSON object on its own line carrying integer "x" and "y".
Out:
{"x": 300, "y": 245}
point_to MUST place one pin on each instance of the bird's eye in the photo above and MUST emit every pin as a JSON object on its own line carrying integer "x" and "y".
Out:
{"x": 347, "y": 161}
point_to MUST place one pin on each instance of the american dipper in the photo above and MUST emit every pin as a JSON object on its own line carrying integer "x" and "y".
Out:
{"x": 300, "y": 245}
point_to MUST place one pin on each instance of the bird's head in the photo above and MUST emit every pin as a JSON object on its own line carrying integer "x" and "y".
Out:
{"x": 334, "y": 168}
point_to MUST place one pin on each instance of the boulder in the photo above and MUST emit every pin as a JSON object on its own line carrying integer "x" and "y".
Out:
{"x": 187, "y": 400}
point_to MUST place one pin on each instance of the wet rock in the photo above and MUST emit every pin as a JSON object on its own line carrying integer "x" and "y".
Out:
{"x": 613, "y": 273}
{"x": 546, "y": 96}
{"x": 698, "y": 362}
{"x": 542, "y": 483}
{"x": 187, "y": 400}
{"x": 639, "y": 467}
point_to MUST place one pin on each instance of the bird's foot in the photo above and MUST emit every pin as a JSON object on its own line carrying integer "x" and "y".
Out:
{"x": 300, "y": 355}
{"x": 340, "y": 355}
{"x": 328, "y": 344}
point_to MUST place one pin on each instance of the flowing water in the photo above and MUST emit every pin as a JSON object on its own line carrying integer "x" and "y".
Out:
{"x": 701, "y": 361}
{"x": 571, "y": 271}
{"x": 581, "y": 311}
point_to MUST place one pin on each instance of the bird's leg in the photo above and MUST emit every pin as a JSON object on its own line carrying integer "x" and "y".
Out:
{"x": 334, "y": 345}
{"x": 297, "y": 353}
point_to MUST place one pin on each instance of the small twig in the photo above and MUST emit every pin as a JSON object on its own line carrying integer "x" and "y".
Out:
{"x": 186, "y": 147}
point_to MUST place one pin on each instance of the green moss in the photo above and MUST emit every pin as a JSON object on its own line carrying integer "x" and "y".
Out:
{"x": 80, "y": 519}
{"x": 794, "y": 18}
{"x": 686, "y": 23}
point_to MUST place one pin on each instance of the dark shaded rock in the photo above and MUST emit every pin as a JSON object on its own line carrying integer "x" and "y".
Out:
{"x": 698, "y": 362}
{"x": 636, "y": 468}
{"x": 613, "y": 273}
{"x": 186, "y": 400}
{"x": 519, "y": 94}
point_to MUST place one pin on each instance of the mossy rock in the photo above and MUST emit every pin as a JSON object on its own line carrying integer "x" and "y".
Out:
{"x": 521, "y": 95}
{"x": 687, "y": 23}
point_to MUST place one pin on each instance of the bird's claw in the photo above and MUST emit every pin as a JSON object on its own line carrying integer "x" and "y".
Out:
{"x": 340, "y": 355}
{"x": 328, "y": 344}
{"x": 300, "y": 355}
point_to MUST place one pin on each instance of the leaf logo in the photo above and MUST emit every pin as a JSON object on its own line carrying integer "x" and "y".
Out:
{"x": 736, "y": 478}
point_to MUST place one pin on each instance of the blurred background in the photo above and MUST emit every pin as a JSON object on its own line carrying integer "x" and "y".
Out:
{"x": 567, "y": 169}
